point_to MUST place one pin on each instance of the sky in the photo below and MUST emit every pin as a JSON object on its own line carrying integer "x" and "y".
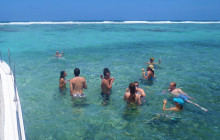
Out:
{"x": 77, "y": 10}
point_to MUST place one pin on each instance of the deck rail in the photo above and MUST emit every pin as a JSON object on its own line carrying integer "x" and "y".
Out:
{"x": 17, "y": 103}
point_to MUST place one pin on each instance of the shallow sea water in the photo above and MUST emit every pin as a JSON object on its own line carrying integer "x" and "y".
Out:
{"x": 189, "y": 54}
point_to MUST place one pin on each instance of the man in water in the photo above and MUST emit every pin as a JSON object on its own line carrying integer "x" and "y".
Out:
{"x": 178, "y": 92}
{"x": 152, "y": 61}
{"x": 106, "y": 85}
{"x": 77, "y": 84}
{"x": 182, "y": 95}
{"x": 142, "y": 93}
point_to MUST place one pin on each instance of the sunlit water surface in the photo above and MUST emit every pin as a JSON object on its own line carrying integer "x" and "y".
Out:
{"x": 189, "y": 54}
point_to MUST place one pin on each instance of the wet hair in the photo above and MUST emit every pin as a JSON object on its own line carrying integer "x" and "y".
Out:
{"x": 180, "y": 106}
{"x": 174, "y": 84}
{"x": 76, "y": 71}
{"x": 151, "y": 59}
{"x": 132, "y": 88}
{"x": 62, "y": 74}
{"x": 148, "y": 68}
{"x": 105, "y": 71}
{"x": 136, "y": 82}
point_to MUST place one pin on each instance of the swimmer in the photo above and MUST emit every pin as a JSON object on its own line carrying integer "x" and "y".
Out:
{"x": 177, "y": 92}
{"x": 63, "y": 82}
{"x": 131, "y": 97}
{"x": 150, "y": 72}
{"x": 58, "y": 55}
{"x": 106, "y": 85}
{"x": 77, "y": 84}
{"x": 151, "y": 62}
{"x": 178, "y": 102}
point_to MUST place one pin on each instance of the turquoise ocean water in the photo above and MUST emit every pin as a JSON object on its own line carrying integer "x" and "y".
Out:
{"x": 189, "y": 54}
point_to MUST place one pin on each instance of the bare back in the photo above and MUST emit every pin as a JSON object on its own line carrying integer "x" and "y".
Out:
{"x": 176, "y": 91}
{"x": 77, "y": 84}
{"x": 137, "y": 98}
{"x": 106, "y": 85}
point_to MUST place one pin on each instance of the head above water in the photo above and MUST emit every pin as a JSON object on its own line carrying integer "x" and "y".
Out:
{"x": 151, "y": 59}
{"x": 132, "y": 88}
{"x": 178, "y": 101}
{"x": 63, "y": 74}
{"x": 76, "y": 71}
{"x": 150, "y": 68}
{"x": 136, "y": 83}
{"x": 106, "y": 72}
{"x": 57, "y": 52}
{"x": 172, "y": 85}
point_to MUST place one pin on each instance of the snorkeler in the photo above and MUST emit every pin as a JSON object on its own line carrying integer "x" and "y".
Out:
{"x": 131, "y": 97}
{"x": 77, "y": 84}
{"x": 58, "y": 55}
{"x": 182, "y": 95}
{"x": 151, "y": 62}
{"x": 106, "y": 85}
{"x": 178, "y": 102}
{"x": 62, "y": 81}
{"x": 150, "y": 72}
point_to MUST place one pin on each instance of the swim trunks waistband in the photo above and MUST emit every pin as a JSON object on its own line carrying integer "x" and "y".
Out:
{"x": 78, "y": 95}
{"x": 183, "y": 97}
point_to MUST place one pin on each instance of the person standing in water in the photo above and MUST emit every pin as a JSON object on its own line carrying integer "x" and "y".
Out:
{"x": 62, "y": 80}
{"x": 151, "y": 62}
{"x": 177, "y": 92}
{"x": 106, "y": 85}
{"x": 77, "y": 84}
{"x": 131, "y": 97}
{"x": 150, "y": 72}
{"x": 178, "y": 102}
{"x": 59, "y": 55}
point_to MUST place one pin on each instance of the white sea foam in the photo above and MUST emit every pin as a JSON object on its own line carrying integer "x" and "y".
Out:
{"x": 113, "y": 22}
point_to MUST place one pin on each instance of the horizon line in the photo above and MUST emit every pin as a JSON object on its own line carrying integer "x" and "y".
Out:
{"x": 110, "y": 22}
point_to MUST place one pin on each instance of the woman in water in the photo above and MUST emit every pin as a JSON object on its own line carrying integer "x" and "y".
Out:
{"x": 150, "y": 72}
{"x": 178, "y": 102}
{"x": 131, "y": 97}
{"x": 62, "y": 84}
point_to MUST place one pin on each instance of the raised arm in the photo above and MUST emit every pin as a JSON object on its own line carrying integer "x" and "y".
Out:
{"x": 62, "y": 82}
{"x": 108, "y": 84}
{"x": 141, "y": 92}
{"x": 139, "y": 100}
{"x": 125, "y": 99}
{"x": 164, "y": 106}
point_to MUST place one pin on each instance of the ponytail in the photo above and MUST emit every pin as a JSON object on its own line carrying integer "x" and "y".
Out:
{"x": 132, "y": 88}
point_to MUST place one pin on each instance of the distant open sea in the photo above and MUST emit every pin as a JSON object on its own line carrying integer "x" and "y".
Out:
{"x": 190, "y": 54}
